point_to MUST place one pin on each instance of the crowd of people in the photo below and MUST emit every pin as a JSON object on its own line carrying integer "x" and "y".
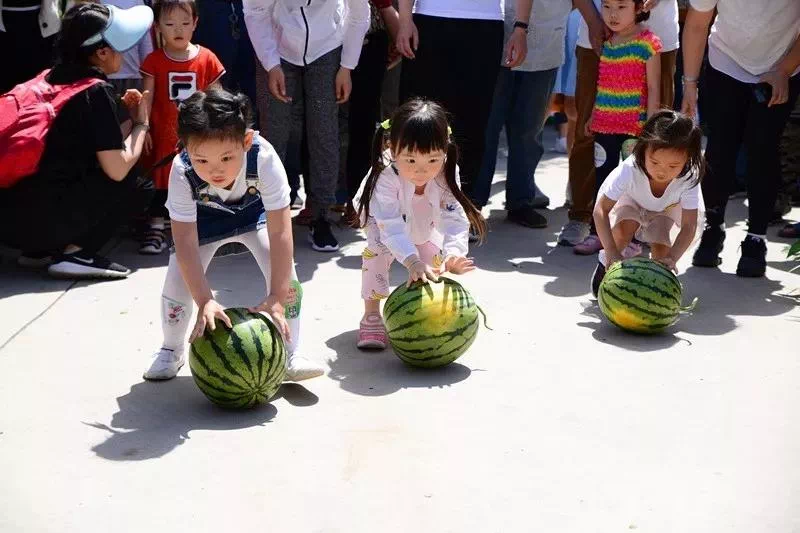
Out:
{"x": 392, "y": 113}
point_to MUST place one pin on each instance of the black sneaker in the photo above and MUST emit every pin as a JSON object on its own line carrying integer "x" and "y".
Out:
{"x": 753, "y": 263}
{"x": 527, "y": 216}
{"x": 707, "y": 253}
{"x": 86, "y": 266}
{"x": 321, "y": 237}
{"x": 597, "y": 278}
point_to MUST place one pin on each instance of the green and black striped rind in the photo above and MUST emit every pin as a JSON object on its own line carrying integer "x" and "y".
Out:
{"x": 411, "y": 335}
{"x": 640, "y": 289}
{"x": 241, "y": 367}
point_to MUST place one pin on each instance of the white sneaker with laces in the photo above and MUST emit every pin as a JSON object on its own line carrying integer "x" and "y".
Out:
{"x": 299, "y": 368}
{"x": 573, "y": 232}
{"x": 165, "y": 365}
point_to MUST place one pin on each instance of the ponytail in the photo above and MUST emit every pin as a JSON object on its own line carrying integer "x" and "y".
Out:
{"x": 378, "y": 148}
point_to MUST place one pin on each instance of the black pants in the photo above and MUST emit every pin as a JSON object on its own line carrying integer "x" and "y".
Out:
{"x": 456, "y": 65}
{"x": 365, "y": 108}
{"x": 38, "y": 215}
{"x": 607, "y": 158}
{"x": 735, "y": 118}
{"x": 25, "y": 52}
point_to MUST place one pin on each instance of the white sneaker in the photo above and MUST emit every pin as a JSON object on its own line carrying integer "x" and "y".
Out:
{"x": 165, "y": 365}
{"x": 299, "y": 368}
{"x": 573, "y": 233}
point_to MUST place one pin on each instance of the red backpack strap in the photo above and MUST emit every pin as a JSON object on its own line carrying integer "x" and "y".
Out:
{"x": 64, "y": 93}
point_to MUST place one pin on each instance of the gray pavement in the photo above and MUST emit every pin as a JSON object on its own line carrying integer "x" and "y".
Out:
{"x": 554, "y": 421}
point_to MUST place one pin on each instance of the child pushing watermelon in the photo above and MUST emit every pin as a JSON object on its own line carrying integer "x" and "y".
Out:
{"x": 226, "y": 185}
{"x": 650, "y": 192}
{"x": 413, "y": 209}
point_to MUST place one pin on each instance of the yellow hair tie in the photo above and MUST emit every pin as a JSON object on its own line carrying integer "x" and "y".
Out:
{"x": 387, "y": 125}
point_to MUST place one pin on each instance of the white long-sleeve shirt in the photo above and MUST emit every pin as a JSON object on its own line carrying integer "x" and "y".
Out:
{"x": 302, "y": 31}
{"x": 392, "y": 207}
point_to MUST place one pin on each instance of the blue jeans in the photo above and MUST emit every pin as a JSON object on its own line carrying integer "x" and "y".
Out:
{"x": 521, "y": 100}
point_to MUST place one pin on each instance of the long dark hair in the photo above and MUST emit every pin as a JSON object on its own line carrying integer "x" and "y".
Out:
{"x": 78, "y": 24}
{"x": 214, "y": 114}
{"x": 670, "y": 130}
{"x": 419, "y": 125}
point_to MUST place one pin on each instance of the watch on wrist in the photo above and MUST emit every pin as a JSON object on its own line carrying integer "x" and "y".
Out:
{"x": 523, "y": 25}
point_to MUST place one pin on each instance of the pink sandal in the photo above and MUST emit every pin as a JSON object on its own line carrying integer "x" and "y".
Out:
{"x": 590, "y": 246}
{"x": 372, "y": 334}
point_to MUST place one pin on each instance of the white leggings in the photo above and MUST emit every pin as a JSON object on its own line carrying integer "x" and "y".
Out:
{"x": 176, "y": 300}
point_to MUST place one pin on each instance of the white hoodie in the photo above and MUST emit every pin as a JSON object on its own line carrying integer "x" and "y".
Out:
{"x": 302, "y": 31}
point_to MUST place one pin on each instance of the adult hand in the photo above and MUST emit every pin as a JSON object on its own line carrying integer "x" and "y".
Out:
{"x": 689, "y": 104}
{"x": 207, "y": 316}
{"x": 598, "y": 33}
{"x": 143, "y": 107}
{"x": 779, "y": 81}
{"x": 407, "y": 38}
{"x": 344, "y": 85}
{"x": 273, "y": 307}
{"x": 517, "y": 48}
{"x": 131, "y": 99}
{"x": 277, "y": 84}
{"x": 458, "y": 265}
{"x": 419, "y": 271}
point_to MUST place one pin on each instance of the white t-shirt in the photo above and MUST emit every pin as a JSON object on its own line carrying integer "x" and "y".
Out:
{"x": 628, "y": 180}
{"x": 663, "y": 22}
{"x": 272, "y": 184}
{"x": 748, "y": 37}
{"x": 548, "y": 26}
{"x": 461, "y": 9}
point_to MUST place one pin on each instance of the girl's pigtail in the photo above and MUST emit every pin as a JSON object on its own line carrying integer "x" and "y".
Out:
{"x": 378, "y": 147}
{"x": 474, "y": 215}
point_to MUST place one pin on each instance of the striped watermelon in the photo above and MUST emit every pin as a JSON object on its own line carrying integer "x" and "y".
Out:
{"x": 431, "y": 324}
{"x": 641, "y": 295}
{"x": 240, "y": 367}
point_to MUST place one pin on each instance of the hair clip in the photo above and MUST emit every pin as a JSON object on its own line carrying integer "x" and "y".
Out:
{"x": 386, "y": 124}
{"x": 449, "y": 130}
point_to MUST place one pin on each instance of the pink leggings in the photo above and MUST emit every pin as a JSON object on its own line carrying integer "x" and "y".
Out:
{"x": 377, "y": 259}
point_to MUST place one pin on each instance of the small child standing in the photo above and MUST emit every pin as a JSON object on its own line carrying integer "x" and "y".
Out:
{"x": 413, "y": 209}
{"x": 309, "y": 49}
{"x": 653, "y": 190}
{"x": 129, "y": 77}
{"x": 628, "y": 91}
{"x": 172, "y": 74}
{"x": 227, "y": 185}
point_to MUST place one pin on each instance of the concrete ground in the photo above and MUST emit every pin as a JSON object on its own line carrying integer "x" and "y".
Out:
{"x": 553, "y": 421}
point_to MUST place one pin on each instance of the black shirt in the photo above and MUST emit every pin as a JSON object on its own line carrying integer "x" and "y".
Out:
{"x": 88, "y": 123}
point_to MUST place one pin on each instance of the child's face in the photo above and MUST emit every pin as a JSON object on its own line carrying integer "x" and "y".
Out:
{"x": 619, "y": 14}
{"x": 218, "y": 162}
{"x": 418, "y": 168}
{"x": 176, "y": 27}
{"x": 664, "y": 165}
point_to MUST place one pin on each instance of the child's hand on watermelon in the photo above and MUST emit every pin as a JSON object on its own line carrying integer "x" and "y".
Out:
{"x": 419, "y": 271}
{"x": 668, "y": 262}
{"x": 207, "y": 316}
{"x": 273, "y": 307}
{"x": 458, "y": 265}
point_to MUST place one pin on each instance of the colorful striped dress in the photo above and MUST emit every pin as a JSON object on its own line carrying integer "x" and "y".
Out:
{"x": 621, "y": 103}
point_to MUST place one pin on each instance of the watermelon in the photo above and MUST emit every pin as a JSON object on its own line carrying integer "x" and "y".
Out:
{"x": 641, "y": 295}
{"x": 431, "y": 324}
{"x": 240, "y": 367}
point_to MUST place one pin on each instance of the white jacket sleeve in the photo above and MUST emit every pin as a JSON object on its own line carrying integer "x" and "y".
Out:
{"x": 455, "y": 225}
{"x": 261, "y": 28}
{"x": 384, "y": 206}
{"x": 356, "y": 25}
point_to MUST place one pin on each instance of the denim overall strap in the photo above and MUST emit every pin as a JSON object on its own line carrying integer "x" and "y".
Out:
{"x": 217, "y": 220}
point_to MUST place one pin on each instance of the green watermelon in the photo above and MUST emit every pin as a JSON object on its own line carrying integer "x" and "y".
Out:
{"x": 431, "y": 324}
{"x": 241, "y": 367}
{"x": 641, "y": 295}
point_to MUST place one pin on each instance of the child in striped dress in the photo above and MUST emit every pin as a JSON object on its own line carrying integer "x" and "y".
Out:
{"x": 628, "y": 91}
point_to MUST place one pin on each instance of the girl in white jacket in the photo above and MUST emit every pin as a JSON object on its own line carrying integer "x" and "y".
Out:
{"x": 413, "y": 209}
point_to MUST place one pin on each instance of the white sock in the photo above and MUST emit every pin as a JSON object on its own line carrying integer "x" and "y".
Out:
{"x": 601, "y": 256}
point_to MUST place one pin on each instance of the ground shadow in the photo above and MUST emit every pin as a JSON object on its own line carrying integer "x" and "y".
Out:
{"x": 155, "y": 418}
{"x": 607, "y": 333}
{"x": 382, "y": 373}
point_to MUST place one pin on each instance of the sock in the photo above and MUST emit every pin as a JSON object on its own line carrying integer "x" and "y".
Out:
{"x": 601, "y": 257}
{"x": 762, "y": 238}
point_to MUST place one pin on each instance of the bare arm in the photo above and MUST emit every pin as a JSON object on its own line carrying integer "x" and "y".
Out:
{"x": 695, "y": 34}
{"x": 602, "y": 223}
{"x": 653, "y": 85}
{"x": 391, "y": 18}
{"x": 281, "y": 252}
{"x": 597, "y": 28}
{"x": 686, "y": 235}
